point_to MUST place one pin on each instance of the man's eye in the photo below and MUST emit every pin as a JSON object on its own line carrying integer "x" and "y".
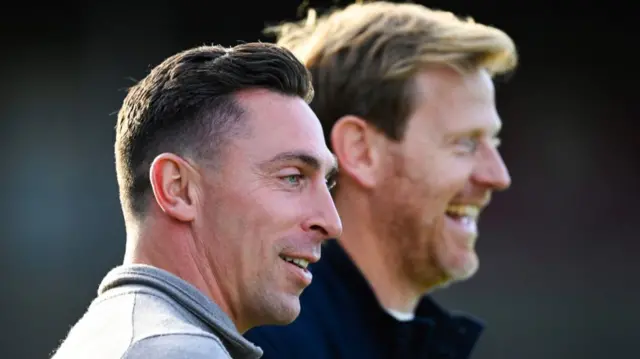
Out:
{"x": 293, "y": 180}
{"x": 470, "y": 144}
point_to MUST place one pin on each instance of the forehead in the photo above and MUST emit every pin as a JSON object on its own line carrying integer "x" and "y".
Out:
{"x": 281, "y": 124}
{"x": 456, "y": 102}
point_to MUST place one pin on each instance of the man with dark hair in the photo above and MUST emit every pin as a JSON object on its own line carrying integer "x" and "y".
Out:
{"x": 406, "y": 99}
{"x": 224, "y": 180}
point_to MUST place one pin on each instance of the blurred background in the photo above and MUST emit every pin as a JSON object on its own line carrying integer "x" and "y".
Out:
{"x": 559, "y": 268}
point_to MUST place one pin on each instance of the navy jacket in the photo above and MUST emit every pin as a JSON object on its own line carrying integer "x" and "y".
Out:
{"x": 341, "y": 318}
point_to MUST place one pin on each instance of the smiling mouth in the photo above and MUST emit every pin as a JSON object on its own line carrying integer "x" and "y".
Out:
{"x": 463, "y": 212}
{"x": 298, "y": 262}
{"x": 465, "y": 217}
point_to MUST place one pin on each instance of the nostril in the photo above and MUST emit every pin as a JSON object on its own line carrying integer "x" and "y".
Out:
{"x": 319, "y": 229}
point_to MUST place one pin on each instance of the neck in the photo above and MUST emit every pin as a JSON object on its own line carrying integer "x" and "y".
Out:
{"x": 171, "y": 246}
{"x": 369, "y": 249}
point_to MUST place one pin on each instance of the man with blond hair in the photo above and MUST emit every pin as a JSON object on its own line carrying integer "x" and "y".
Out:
{"x": 406, "y": 98}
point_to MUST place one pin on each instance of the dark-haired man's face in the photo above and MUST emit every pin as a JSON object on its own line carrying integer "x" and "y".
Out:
{"x": 267, "y": 209}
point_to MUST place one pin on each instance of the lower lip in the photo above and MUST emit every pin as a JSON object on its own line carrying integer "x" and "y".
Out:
{"x": 303, "y": 275}
{"x": 467, "y": 226}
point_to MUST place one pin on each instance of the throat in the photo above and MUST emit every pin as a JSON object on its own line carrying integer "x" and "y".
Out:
{"x": 392, "y": 288}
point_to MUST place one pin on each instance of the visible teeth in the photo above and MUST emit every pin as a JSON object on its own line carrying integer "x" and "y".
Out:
{"x": 464, "y": 210}
{"x": 302, "y": 263}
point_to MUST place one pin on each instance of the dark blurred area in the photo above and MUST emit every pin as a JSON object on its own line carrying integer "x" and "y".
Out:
{"x": 559, "y": 269}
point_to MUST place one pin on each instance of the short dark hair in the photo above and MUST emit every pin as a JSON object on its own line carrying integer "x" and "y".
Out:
{"x": 186, "y": 106}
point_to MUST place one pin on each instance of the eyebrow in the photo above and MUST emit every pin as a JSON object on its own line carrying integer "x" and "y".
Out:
{"x": 493, "y": 133}
{"x": 477, "y": 132}
{"x": 306, "y": 158}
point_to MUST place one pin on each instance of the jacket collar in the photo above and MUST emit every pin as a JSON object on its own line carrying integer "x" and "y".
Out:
{"x": 187, "y": 296}
{"x": 454, "y": 335}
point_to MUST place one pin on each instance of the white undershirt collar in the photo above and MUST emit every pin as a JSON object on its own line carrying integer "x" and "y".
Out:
{"x": 400, "y": 316}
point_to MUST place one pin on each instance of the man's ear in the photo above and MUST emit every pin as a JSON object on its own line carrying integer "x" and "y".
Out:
{"x": 357, "y": 146}
{"x": 171, "y": 178}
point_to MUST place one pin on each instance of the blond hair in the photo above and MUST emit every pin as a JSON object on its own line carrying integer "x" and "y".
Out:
{"x": 363, "y": 56}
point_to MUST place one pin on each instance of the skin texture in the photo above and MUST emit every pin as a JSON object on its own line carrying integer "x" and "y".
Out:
{"x": 394, "y": 196}
{"x": 225, "y": 227}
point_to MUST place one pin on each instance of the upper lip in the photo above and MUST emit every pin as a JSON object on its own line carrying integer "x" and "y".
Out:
{"x": 480, "y": 204}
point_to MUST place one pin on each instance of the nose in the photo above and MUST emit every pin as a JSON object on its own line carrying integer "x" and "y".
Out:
{"x": 324, "y": 218}
{"x": 491, "y": 171}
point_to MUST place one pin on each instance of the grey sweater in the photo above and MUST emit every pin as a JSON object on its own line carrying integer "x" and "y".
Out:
{"x": 145, "y": 312}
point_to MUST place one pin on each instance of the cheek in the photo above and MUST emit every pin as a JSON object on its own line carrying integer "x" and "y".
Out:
{"x": 258, "y": 220}
{"x": 430, "y": 195}
{"x": 233, "y": 222}
{"x": 444, "y": 187}
{"x": 440, "y": 175}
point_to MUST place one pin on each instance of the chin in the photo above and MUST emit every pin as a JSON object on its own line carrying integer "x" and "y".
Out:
{"x": 461, "y": 266}
{"x": 287, "y": 311}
